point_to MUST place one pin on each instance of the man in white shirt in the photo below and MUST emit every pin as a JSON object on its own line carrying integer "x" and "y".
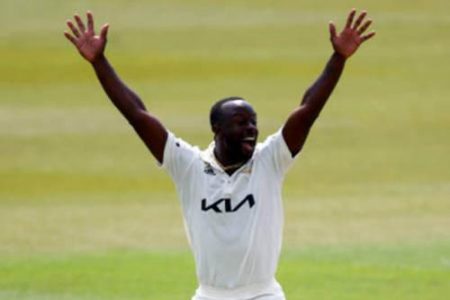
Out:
{"x": 231, "y": 192}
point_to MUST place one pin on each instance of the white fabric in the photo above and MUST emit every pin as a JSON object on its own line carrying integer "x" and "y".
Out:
{"x": 234, "y": 223}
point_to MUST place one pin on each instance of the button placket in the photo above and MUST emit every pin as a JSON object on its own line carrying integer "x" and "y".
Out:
{"x": 228, "y": 187}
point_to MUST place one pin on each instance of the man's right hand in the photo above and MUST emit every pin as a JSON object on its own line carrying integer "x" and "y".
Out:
{"x": 89, "y": 45}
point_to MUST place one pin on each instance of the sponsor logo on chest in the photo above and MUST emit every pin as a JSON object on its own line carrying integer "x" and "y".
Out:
{"x": 225, "y": 205}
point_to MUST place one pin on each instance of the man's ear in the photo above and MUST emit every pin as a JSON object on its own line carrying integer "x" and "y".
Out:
{"x": 215, "y": 128}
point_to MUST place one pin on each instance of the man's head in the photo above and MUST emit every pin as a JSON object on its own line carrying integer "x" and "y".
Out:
{"x": 233, "y": 122}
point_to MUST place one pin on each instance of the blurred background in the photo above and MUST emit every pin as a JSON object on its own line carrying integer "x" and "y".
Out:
{"x": 85, "y": 212}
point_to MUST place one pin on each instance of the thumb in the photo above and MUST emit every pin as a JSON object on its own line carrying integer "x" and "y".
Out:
{"x": 104, "y": 31}
{"x": 332, "y": 28}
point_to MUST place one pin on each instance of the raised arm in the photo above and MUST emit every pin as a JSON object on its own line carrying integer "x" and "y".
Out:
{"x": 92, "y": 47}
{"x": 296, "y": 128}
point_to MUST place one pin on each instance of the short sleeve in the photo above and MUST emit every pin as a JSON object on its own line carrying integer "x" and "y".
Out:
{"x": 275, "y": 152}
{"x": 178, "y": 157}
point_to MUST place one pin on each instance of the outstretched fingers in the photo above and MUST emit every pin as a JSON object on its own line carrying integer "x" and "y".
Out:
{"x": 70, "y": 38}
{"x": 332, "y": 29}
{"x": 368, "y": 36}
{"x": 90, "y": 21}
{"x": 366, "y": 25}
{"x": 80, "y": 23}
{"x": 350, "y": 17}
{"x": 73, "y": 28}
{"x": 360, "y": 29}
{"x": 359, "y": 20}
{"x": 104, "y": 31}
{"x": 80, "y": 28}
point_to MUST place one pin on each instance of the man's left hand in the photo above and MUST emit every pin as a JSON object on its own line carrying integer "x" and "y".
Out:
{"x": 352, "y": 36}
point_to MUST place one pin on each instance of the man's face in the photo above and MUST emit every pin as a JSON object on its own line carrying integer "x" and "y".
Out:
{"x": 238, "y": 130}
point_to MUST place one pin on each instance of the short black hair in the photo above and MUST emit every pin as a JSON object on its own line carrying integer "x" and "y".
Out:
{"x": 216, "y": 115}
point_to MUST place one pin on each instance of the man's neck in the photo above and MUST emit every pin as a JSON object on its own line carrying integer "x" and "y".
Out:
{"x": 225, "y": 161}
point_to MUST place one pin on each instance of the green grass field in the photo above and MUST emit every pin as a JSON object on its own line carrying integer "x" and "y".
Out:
{"x": 86, "y": 214}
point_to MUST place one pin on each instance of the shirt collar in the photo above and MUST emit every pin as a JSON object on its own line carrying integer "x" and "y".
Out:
{"x": 208, "y": 157}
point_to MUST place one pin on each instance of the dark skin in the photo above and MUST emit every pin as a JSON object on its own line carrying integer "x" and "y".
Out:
{"x": 236, "y": 135}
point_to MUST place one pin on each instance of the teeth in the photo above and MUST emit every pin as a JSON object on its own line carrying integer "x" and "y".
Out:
{"x": 249, "y": 139}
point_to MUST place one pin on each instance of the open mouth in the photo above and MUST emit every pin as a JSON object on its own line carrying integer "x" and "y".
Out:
{"x": 248, "y": 143}
{"x": 249, "y": 140}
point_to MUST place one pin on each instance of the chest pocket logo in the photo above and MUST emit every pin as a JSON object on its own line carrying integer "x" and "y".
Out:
{"x": 225, "y": 205}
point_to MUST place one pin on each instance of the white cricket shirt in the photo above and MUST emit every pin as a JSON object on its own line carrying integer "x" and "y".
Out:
{"x": 234, "y": 223}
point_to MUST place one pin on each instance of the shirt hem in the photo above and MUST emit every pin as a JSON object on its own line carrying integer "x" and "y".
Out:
{"x": 271, "y": 287}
